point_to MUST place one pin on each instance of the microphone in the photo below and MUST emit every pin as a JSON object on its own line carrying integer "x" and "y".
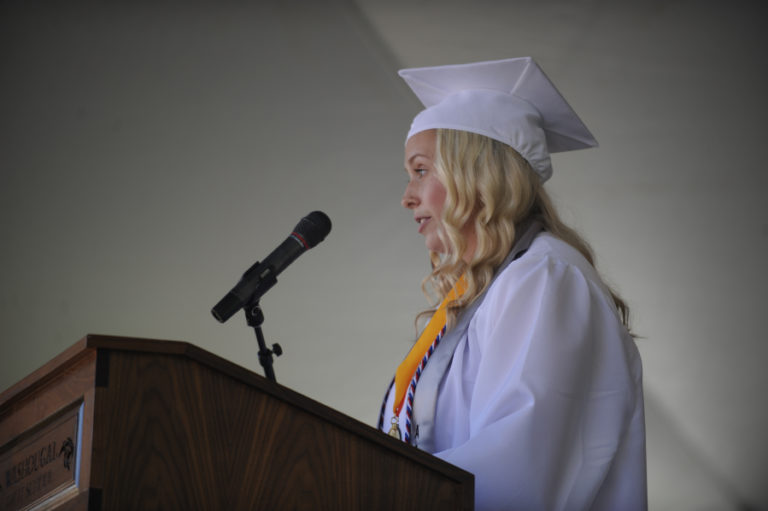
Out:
{"x": 259, "y": 278}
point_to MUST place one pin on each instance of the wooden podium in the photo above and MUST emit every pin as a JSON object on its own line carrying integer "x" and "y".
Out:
{"x": 120, "y": 423}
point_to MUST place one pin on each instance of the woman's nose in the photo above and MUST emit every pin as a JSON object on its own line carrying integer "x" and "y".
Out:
{"x": 409, "y": 200}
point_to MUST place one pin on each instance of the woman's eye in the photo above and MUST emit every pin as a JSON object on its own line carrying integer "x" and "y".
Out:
{"x": 421, "y": 172}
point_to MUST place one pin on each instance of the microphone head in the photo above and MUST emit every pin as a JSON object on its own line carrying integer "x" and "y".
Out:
{"x": 313, "y": 228}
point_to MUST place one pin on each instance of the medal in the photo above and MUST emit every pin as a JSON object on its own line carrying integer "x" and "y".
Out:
{"x": 395, "y": 429}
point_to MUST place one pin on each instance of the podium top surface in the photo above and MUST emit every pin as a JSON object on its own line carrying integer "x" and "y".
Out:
{"x": 92, "y": 342}
{"x": 93, "y": 346}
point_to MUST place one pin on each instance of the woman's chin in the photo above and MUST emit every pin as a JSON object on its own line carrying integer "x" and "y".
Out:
{"x": 434, "y": 245}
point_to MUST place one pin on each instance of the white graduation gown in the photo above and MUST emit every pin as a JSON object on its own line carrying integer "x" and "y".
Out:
{"x": 541, "y": 399}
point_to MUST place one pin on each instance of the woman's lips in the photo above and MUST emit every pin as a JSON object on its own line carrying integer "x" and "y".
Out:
{"x": 423, "y": 221}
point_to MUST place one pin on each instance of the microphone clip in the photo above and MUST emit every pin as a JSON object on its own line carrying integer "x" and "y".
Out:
{"x": 254, "y": 316}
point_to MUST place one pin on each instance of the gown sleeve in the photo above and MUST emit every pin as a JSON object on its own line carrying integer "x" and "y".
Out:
{"x": 541, "y": 392}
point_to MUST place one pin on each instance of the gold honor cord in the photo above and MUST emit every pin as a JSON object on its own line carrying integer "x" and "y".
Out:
{"x": 408, "y": 367}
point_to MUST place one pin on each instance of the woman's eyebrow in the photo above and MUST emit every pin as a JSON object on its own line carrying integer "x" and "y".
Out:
{"x": 417, "y": 155}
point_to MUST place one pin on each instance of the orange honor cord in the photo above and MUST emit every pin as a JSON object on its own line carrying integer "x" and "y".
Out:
{"x": 407, "y": 368}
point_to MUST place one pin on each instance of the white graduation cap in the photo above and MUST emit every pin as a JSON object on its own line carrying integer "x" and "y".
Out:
{"x": 509, "y": 100}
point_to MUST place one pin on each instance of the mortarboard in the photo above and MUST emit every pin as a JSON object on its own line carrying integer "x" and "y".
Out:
{"x": 509, "y": 100}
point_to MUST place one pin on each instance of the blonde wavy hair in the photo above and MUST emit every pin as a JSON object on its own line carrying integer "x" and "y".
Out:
{"x": 489, "y": 181}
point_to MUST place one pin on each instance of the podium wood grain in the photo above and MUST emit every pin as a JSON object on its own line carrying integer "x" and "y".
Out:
{"x": 167, "y": 425}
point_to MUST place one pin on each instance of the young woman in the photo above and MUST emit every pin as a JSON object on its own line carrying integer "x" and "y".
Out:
{"x": 526, "y": 374}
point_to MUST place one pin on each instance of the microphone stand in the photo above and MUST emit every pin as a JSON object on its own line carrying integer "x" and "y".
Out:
{"x": 255, "y": 318}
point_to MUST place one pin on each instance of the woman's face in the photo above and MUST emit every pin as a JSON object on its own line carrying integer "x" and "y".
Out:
{"x": 425, "y": 194}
